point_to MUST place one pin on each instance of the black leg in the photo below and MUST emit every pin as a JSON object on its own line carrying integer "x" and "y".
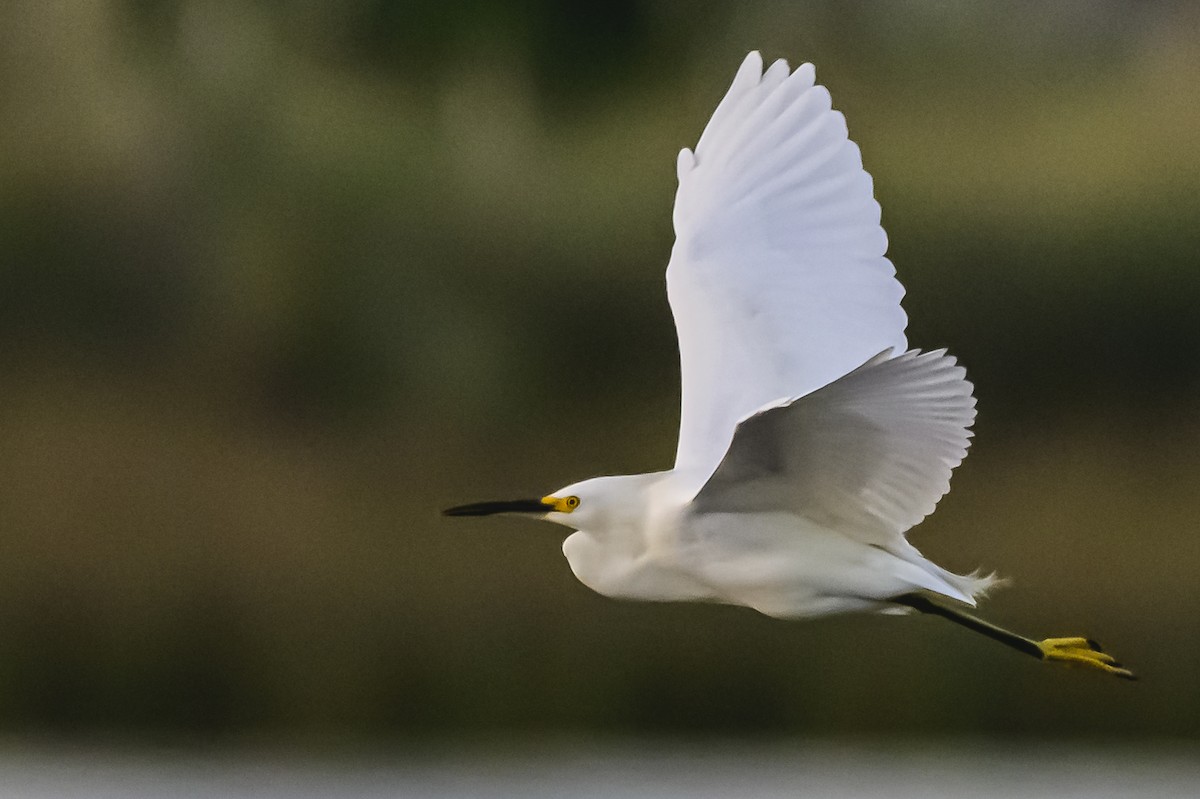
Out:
{"x": 924, "y": 604}
{"x": 1075, "y": 651}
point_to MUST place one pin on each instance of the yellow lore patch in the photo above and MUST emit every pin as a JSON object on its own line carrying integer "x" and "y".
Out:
{"x": 561, "y": 504}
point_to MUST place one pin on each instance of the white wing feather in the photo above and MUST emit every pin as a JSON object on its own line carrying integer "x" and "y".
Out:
{"x": 777, "y": 280}
{"x": 868, "y": 455}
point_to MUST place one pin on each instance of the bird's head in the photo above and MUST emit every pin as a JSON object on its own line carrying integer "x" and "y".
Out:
{"x": 580, "y": 505}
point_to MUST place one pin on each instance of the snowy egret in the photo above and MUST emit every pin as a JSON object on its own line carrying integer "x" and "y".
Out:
{"x": 811, "y": 438}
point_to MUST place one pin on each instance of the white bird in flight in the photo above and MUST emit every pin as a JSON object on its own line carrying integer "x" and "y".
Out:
{"x": 811, "y": 438}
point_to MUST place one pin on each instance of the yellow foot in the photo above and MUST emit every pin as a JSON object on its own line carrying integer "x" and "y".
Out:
{"x": 1082, "y": 652}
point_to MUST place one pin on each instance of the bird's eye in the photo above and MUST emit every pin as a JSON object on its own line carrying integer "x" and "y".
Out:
{"x": 572, "y": 503}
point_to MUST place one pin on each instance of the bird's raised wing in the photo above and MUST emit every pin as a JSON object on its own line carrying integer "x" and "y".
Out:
{"x": 777, "y": 279}
{"x": 869, "y": 455}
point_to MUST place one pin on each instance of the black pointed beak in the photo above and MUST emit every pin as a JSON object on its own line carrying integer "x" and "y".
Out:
{"x": 489, "y": 508}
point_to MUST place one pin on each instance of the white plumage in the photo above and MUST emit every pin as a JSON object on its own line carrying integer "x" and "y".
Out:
{"x": 810, "y": 440}
{"x": 777, "y": 280}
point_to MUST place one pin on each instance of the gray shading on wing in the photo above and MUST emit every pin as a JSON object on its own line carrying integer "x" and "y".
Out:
{"x": 868, "y": 455}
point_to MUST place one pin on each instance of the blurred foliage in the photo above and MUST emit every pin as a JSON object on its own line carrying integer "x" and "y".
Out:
{"x": 279, "y": 280}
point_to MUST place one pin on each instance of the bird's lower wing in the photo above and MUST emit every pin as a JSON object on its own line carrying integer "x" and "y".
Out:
{"x": 869, "y": 454}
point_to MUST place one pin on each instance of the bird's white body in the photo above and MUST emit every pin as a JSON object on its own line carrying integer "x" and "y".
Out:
{"x": 810, "y": 440}
{"x": 774, "y": 539}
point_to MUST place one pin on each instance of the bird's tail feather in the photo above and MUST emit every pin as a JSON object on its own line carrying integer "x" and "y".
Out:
{"x": 976, "y": 585}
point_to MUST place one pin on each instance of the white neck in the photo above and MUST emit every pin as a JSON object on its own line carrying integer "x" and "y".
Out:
{"x": 613, "y": 552}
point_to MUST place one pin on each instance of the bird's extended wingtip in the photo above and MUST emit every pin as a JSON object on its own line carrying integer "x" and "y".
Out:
{"x": 685, "y": 163}
{"x": 751, "y": 68}
{"x": 777, "y": 72}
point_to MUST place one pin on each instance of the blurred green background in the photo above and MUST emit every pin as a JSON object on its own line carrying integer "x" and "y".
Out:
{"x": 280, "y": 280}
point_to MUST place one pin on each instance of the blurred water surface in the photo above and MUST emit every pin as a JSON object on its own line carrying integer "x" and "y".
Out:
{"x": 648, "y": 769}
